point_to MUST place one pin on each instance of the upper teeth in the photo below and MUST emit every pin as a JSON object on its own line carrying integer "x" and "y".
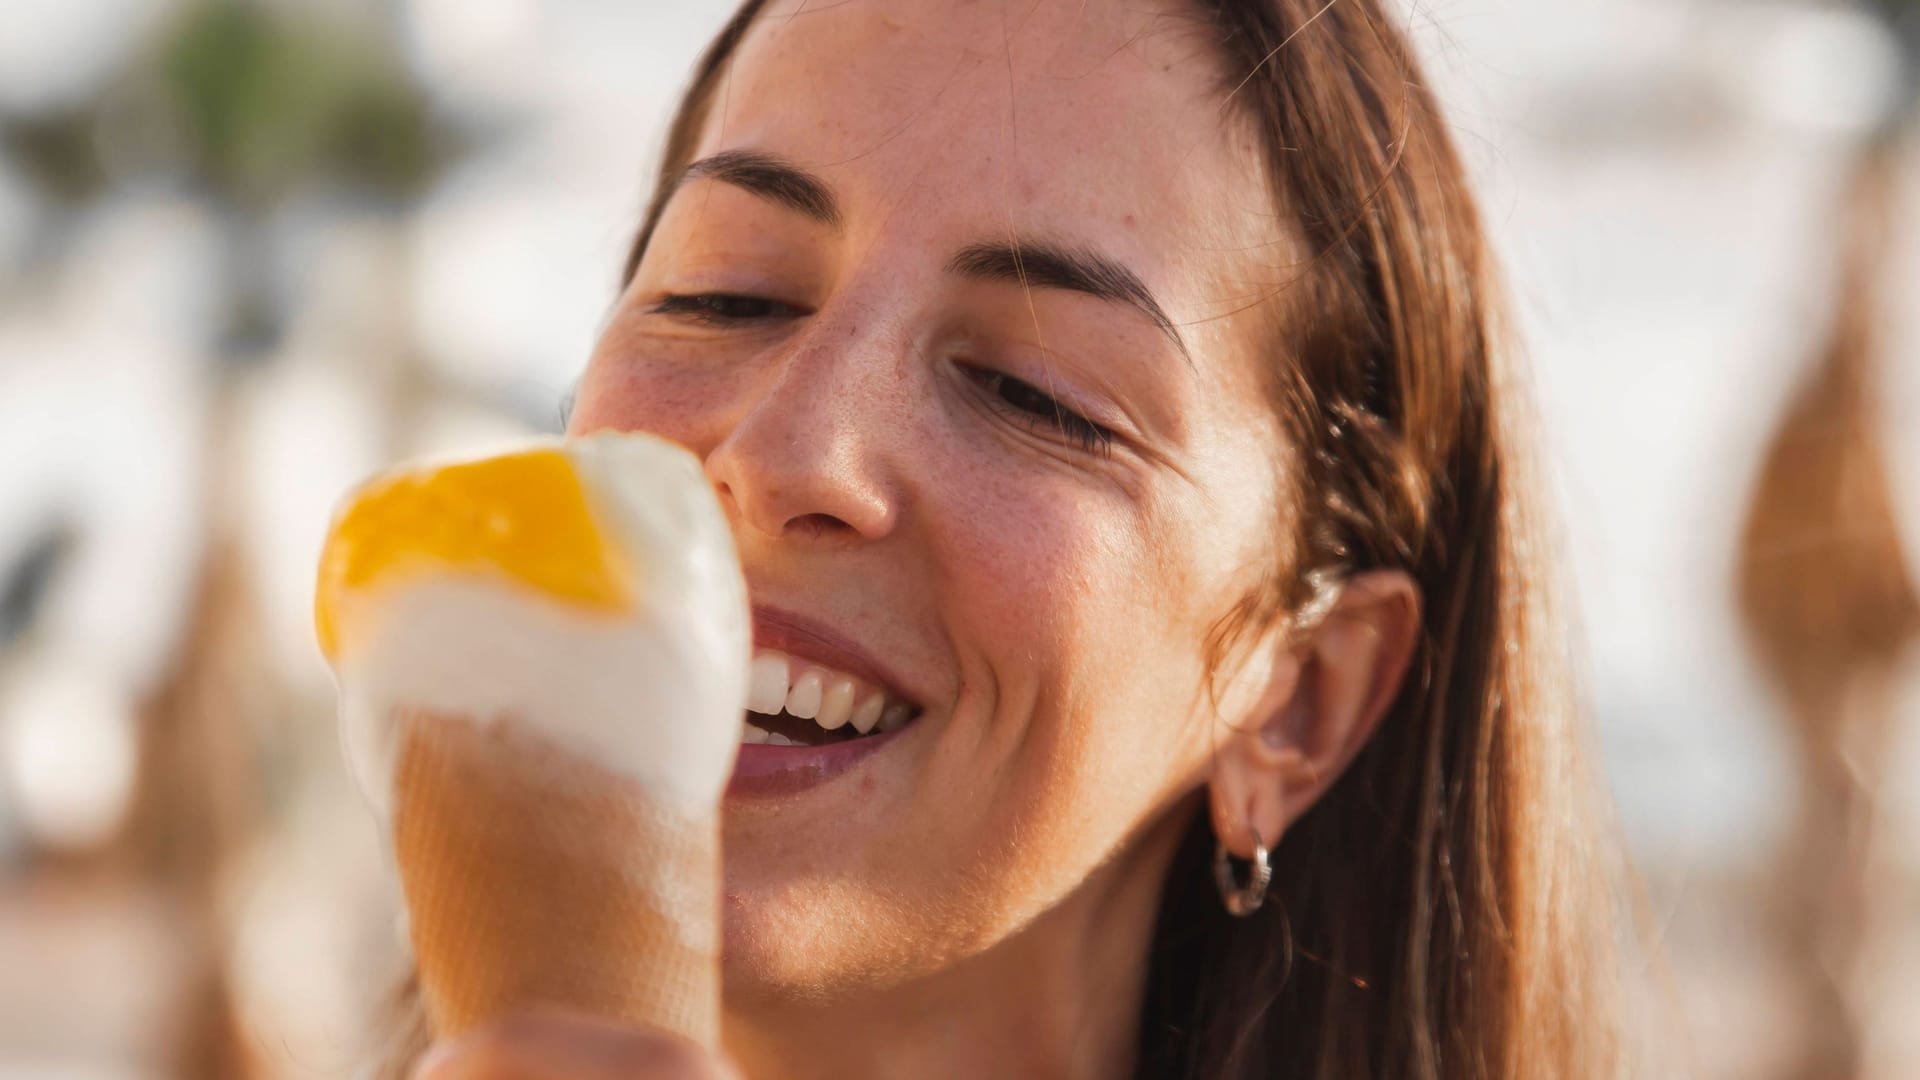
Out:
{"x": 811, "y": 691}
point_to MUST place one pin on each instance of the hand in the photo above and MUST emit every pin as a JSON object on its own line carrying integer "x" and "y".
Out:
{"x": 557, "y": 1046}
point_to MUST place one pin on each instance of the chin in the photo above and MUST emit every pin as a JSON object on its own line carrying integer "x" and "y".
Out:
{"x": 823, "y": 938}
{"x": 776, "y": 950}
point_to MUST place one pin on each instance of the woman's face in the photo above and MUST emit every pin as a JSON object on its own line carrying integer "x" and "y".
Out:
{"x": 876, "y": 409}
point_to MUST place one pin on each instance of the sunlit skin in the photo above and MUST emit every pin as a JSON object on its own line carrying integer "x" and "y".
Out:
{"x": 977, "y": 899}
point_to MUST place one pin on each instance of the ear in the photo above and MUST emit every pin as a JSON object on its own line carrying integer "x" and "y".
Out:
{"x": 1324, "y": 696}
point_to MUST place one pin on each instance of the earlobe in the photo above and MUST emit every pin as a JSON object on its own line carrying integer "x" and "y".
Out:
{"x": 1247, "y": 792}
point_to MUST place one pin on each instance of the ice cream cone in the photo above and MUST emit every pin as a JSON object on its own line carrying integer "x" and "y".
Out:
{"x": 535, "y": 878}
{"x": 542, "y": 666}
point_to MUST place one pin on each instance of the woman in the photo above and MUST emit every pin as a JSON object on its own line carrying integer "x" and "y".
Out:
{"x": 1115, "y": 384}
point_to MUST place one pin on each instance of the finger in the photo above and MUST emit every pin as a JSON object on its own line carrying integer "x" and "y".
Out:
{"x": 560, "y": 1046}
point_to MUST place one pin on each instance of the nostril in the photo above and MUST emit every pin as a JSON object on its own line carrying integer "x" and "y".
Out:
{"x": 817, "y": 525}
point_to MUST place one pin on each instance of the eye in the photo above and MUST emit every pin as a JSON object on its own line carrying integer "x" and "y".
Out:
{"x": 1038, "y": 409}
{"x": 723, "y": 309}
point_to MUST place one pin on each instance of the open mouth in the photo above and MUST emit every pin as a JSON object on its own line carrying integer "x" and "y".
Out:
{"x": 797, "y": 702}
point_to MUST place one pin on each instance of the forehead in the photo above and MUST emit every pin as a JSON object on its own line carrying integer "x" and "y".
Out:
{"x": 1097, "y": 121}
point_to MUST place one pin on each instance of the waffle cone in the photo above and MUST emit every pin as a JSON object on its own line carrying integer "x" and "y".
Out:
{"x": 534, "y": 877}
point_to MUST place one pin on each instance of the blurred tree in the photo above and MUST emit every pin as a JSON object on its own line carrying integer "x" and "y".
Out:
{"x": 247, "y": 104}
{"x": 259, "y": 100}
{"x": 1827, "y": 594}
{"x": 270, "y": 100}
{"x": 198, "y": 803}
{"x": 273, "y": 102}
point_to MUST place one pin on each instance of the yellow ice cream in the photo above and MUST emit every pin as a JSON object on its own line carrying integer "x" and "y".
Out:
{"x": 522, "y": 517}
{"x": 583, "y": 589}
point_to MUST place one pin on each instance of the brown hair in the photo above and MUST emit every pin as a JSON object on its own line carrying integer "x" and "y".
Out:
{"x": 1443, "y": 913}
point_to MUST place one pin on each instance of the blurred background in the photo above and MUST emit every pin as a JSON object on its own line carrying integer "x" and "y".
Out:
{"x": 251, "y": 250}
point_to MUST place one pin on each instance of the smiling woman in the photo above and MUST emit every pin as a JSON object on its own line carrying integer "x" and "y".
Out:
{"x": 1150, "y": 677}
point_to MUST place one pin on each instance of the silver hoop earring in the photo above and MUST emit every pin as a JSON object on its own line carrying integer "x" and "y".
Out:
{"x": 1242, "y": 901}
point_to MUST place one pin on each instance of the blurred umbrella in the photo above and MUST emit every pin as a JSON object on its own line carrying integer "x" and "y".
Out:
{"x": 1827, "y": 595}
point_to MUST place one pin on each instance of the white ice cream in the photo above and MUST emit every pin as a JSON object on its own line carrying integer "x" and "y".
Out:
{"x": 656, "y": 694}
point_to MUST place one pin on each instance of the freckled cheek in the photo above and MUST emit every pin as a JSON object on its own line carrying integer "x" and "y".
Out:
{"x": 642, "y": 390}
{"x": 1065, "y": 603}
{"x": 1041, "y": 574}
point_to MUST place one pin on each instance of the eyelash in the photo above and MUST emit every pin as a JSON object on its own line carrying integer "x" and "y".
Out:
{"x": 722, "y": 309}
{"x": 1032, "y": 404}
{"x": 1043, "y": 409}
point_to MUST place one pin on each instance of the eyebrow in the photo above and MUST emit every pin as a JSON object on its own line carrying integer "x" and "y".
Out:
{"x": 771, "y": 177}
{"x": 1030, "y": 263}
{"x": 1047, "y": 265}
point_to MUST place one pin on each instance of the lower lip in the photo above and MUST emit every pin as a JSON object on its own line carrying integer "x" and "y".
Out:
{"x": 761, "y": 770}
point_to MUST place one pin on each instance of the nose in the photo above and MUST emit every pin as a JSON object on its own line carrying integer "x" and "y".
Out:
{"x": 806, "y": 460}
